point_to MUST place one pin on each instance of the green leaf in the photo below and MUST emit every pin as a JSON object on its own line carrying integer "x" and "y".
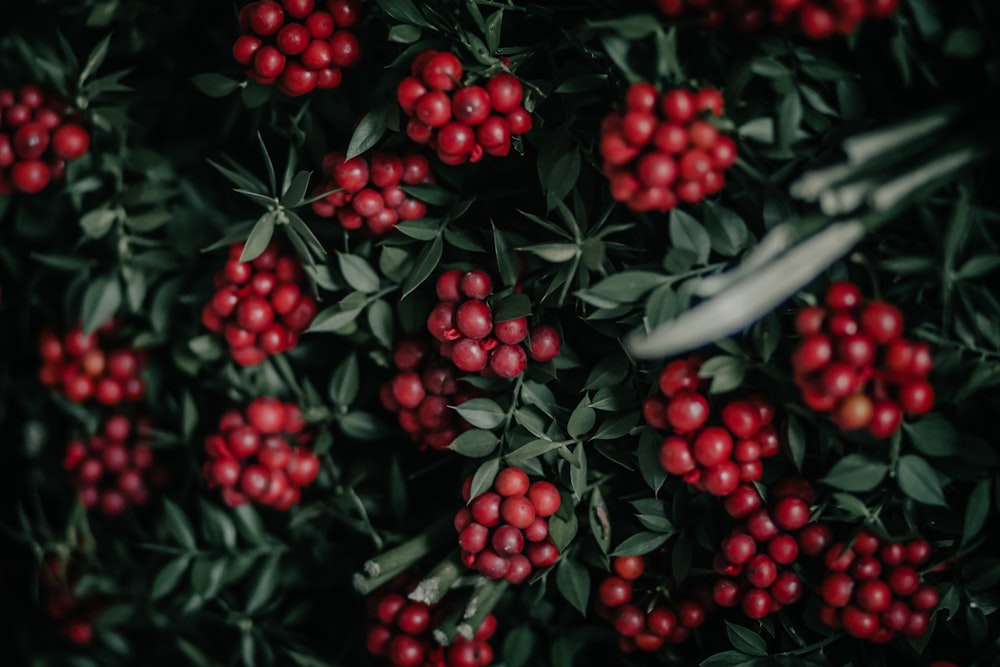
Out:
{"x": 426, "y": 262}
{"x": 178, "y": 524}
{"x": 919, "y": 480}
{"x": 428, "y": 193}
{"x": 649, "y": 460}
{"x": 98, "y": 222}
{"x": 731, "y": 659}
{"x": 334, "y": 319}
{"x": 856, "y": 472}
{"x": 405, "y": 11}
{"x": 169, "y": 576}
{"x": 582, "y": 419}
{"x": 483, "y": 478}
{"x": 609, "y": 371}
{"x": 101, "y": 301}
{"x": 511, "y": 307}
{"x": 260, "y": 237}
{"x": 978, "y": 267}
{"x": 574, "y": 584}
{"x": 368, "y": 132}
{"x": 358, "y": 273}
{"x": 404, "y": 34}
{"x": 214, "y": 85}
{"x": 532, "y": 449}
{"x": 482, "y": 413}
{"x": 640, "y": 544}
{"x": 726, "y": 230}
{"x": 207, "y": 576}
{"x": 726, "y": 372}
{"x": 363, "y": 426}
{"x": 507, "y": 261}
{"x": 475, "y": 443}
{"x": 557, "y": 253}
{"x": 381, "y": 322}
{"x": 264, "y": 584}
{"x": 346, "y": 382}
{"x": 217, "y": 527}
{"x": 796, "y": 441}
{"x": 687, "y": 234}
{"x": 627, "y": 286}
{"x": 295, "y": 194}
{"x": 95, "y": 59}
{"x": 745, "y": 640}
{"x": 518, "y": 646}
{"x": 933, "y": 435}
{"x": 976, "y": 510}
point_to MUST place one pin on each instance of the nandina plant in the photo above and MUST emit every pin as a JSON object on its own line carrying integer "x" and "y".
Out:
{"x": 448, "y": 334}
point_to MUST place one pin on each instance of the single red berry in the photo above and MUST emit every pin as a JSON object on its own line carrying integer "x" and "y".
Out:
{"x": 676, "y": 457}
{"x": 679, "y": 105}
{"x": 471, "y": 105}
{"x": 858, "y": 623}
{"x": 687, "y": 411}
{"x": 712, "y": 446}
{"x": 442, "y": 71}
{"x": 916, "y": 397}
{"x": 722, "y": 479}
{"x": 882, "y": 321}
{"x": 505, "y": 93}
{"x": 739, "y": 548}
{"x": 545, "y": 498}
{"x": 742, "y": 502}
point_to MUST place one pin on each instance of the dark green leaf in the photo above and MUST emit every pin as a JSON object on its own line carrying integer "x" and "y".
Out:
{"x": 296, "y": 192}
{"x": 426, "y": 262}
{"x": 474, "y": 443}
{"x": 334, "y": 319}
{"x": 574, "y": 584}
{"x": 976, "y": 510}
{"x": 640, "y": 544}
{"x": 260, "y": 237}
{"x": 582, "y": 419}
{"x": 178, "y": 524}
{"x": 745, "y": 640}
{"x": 482, "y": 413}
{"x": 368, "y": 132}
{"x": 358, "y": 273}
{"x": 933, "y": 435}
{"x": 649, "y": 459}
{"x": 264, "y": 584}
{"x": 796, "y": 441}
{"x": 381, "y": 322}
{"x": 346, "y": 382}
{"x": 214, "y": 85}
{"x": 483, "y": 478}
{"x": 511, "y": 307}
{"x": 363, "y": 426}
{"x": 856, "y": 472}
{"x": 687, "y": 234}
{"x": 101, "y": 301}
{"x": 169, "y": 576}
{"x": 919, "y": 480}
{"x": 507, "y": 261}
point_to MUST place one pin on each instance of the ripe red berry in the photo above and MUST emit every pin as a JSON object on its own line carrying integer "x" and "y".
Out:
{"x": 406, "y": 651}
{"x": 518, "y": 511}
{"x": 882, "y": 321}
{"x": 742, "y": 502}
{"x": 787, "y": 588}
{"x": 903, "y": 580}
{"x": 629, "y": 568}
{"x": 267, "y": 415}
{"x": 471, "y": 105}
{"x": 491, "y": 565}
{"x": 545, "y": 498}
{"x": 508, "y": 361}
{"x": 676, "y": 457}
{"x": 722, "y": 479}
{"x": 442, "y": 71}
{"x": 544, "y": 343}
{"x": 687, "y": 411}
{"x": 761, "y": 526}
{"x": 505, "y": 93}
{"x": 473, "y": 538}
{"x": 916, "y": 397}
{"x": 873, "y": 596}
{"x": 739, "y": 548}
{"x": 791, "y": 513}
{"x": 511, "y": 332}
{"x": 756, "y": 603}
{"x": 614, "y": 592}
{"x": 783, "y": 549}
{"x": 30, "y": 176}
{"x": 761, "y": 571}
{"x": 679, "y": 105}
{"x": 712, "y": 446}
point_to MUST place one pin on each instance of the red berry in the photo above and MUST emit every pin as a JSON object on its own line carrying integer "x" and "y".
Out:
{"x": 756, "y": 603}
{"x": 267, "y": 415}
{"x": 679, "y": 105}
{"x": 676, "y": 457}
{"x": 544, "y": 343}
{"x": 916, "y": 397}
{"x": 726, "y": 593}
{"x": 511, "y": 332}
{"x": 783, "y": 549}
{"x": 791, "y": 513}
{"x": 345, "y": 48}
{"x": 473, "y": 538}
{"x": 629, "y": 568}
{"x": 687, "y": 411}
{"x": 918, "y": 552}
{"x": 761, "y": 526}
{"x": 511, "y": 482}
{"x": 722, "y": 479}
{"x": 518, "y": 511}
{"x": 545, "y": 498}
{"x": 739, "y": 548}
{"x": 882, "y": 321}
{"x": 30, "y": 176}
{"x": 742, "y": 502}
{"x": 873, "y": 596}
{"x": 406, "y": 651}
{"x": 787, "y": 588}
{"x": 903, "y": 580}
{"x": 268, "y": 62}
{"x": 303, "y": 467}
{"x": 712, "y": 446}
{"x": 836, "y": 589}
{"x": 925, "y": 598}
{"x": 476, "y": 284}
{"x": 505, "y": 93}
{"x": 442, "y": 71}
{"x": 471, "y": 105}
{"x": 761, "y": 571}
{"x": 433, "y": 109}
{"x": 491, "y": 565}
{"x": 614, "y": 592}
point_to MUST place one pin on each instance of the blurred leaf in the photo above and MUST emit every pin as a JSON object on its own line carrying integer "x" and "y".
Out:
{"x": 856, "y": 472}
{"x": 919, "y": 480}
{"x": 573, "y": 581}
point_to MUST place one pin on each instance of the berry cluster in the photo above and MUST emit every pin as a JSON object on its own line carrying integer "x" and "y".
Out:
{"x": 664, "y": 148}
{"x": 37, "y": 138}
{"x": 503, "y": 533}
{"x": 818, "y": 19}
{"x": 463, "y": 323}
{"x": 854, "y": 363}
{"x": 628, "y": 601}
{"x": 715, "y": 459}
{"x": 401, "y": 634}
{"x": 258, "y": 455}
{"x": 753, "y": 554}
{"x": 259, "y": 306}
{"x": 73, "y": 616}
{"x": 370, "y": 193}
{"x": 112, "y": 469}
{"x": 295, "y": 45}
{"x": 871, "y": 588}
{"x": 89, "y": 366}
{"x": 460, "y": 122}
{"x": 420, "y": 395}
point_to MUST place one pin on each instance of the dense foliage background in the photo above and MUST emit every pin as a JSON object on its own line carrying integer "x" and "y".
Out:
{"x": 141, "y": 223}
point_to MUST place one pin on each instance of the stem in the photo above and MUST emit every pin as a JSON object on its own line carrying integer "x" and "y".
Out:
{"x": 438, "y": 581}
{"x": 384, "y": 567}
{"x": 482, "y": 602}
